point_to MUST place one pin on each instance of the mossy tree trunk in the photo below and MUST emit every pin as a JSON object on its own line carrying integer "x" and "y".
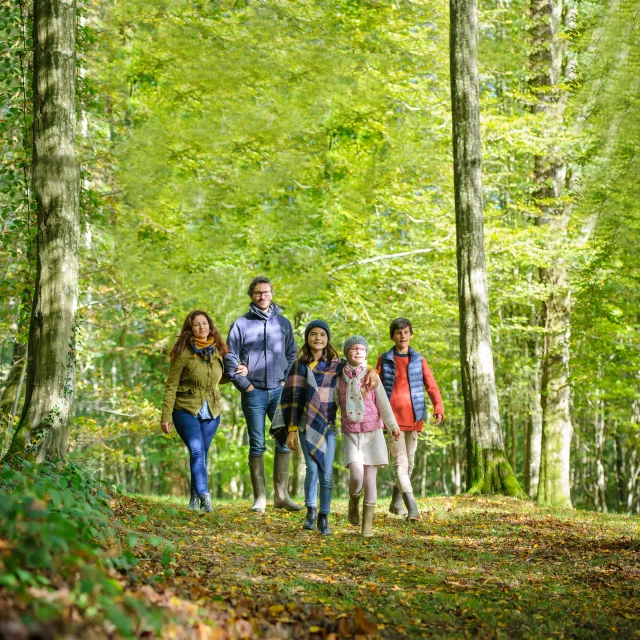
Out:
{"x": 550, "y": 171}
{"x": 44, "y": 424}
{"x": 488, "y": 469}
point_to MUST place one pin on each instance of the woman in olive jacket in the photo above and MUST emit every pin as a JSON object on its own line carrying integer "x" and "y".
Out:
{"x": 192, "y": 398}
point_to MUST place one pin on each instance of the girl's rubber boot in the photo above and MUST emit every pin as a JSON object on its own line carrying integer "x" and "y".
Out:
{"x": 256, "y": 468}
{"x": 281, "y": 499}
{"x": 412, "y": 507}
{"x": 205, "y": 503}
{"x": 310, "y": 520}
{"x": 367, "y": 519}
{"x": 323, "y": 524}
{"x": 194, "y": 503}
{"x": 396, "y": 505}
{"x": 354, "y": 509}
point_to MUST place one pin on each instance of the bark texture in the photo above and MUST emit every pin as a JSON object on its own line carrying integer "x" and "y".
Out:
{"x": 488, "y": 470}
{"x": 550, "y": 171}
{"x": 44, "y": 426}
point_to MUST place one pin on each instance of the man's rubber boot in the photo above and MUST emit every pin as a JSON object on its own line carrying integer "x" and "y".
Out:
{"x": 354, "y": 509}
{"x": 323, "y": 524}
{"x": 310, "y": 520}
{"x": 194, "y": 503}
{"x": 256, "y": 467}
{"x": 281, "y": 499}
{"x": 412, "y": 507}
{"x": 205, "y": 503}
{"x": 367, "y": 518}
{"x": 396, "y": 505}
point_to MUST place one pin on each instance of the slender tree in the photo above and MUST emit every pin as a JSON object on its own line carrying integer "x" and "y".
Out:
{"x": 550, "y": 174}
{"x": 44, "y": 424}
{"x": 488, "y": 470}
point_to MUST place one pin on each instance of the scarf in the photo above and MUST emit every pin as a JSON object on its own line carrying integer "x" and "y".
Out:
{"x": 308, "y": 401}
{"x": 265, "y": 315}
{"x": 203, "y": 348}
{"x": 355, "y": 402}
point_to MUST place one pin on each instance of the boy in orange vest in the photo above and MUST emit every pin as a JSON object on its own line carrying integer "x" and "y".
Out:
{"x": 405, "y": 375}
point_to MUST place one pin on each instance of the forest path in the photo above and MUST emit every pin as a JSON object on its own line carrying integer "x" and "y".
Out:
{"x": 483, "y": 566}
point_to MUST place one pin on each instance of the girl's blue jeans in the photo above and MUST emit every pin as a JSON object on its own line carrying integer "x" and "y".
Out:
{"x": 197, "y": 435}
{"x": 313, "y": 474}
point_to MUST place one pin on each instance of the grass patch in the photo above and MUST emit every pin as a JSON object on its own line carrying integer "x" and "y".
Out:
{"x": 484, "y": 566}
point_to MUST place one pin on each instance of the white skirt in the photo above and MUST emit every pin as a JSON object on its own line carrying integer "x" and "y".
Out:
{"x": 368, "y": 448}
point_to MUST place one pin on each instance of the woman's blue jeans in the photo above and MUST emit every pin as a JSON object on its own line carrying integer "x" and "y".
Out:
{"x": 313, "y": 474}
{"x": 197, "y": 435}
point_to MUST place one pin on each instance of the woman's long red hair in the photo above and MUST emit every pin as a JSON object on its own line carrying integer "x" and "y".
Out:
{"x": 186, "y": 335}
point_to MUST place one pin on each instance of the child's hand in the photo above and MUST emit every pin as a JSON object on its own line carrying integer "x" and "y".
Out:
{"x": 242, "y": 370}
{"x": 292, "y": 440}
{"x": 437, "y": 418}
{"x": 370, "y": 382}
{"x": 396, "y": 433}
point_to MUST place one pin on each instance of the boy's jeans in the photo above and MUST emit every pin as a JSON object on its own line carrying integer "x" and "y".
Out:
{"x": 197, "y": 435}
{"x": 256, "y": 406}
{"x": 403, "y": 452}
{"x": 313, "y": 474}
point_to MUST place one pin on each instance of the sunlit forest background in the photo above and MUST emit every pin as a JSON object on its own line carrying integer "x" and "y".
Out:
{"x": 310, "y": 141}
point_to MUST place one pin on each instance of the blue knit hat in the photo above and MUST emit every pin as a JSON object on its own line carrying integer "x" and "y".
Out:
{"x": 351, "y": 340}
{"x": 321, "y": 324}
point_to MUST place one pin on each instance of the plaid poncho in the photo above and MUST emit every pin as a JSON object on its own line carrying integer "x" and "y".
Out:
{"x": 307, "y": 401}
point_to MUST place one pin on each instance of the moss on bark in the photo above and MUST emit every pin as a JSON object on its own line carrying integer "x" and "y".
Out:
{"x": 489, "y": 471}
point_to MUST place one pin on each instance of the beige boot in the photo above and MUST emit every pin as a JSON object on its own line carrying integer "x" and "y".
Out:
{"x": 256, "y": 467}
{"x": 281, "y": 499}
{"x": 367, "y": 518}
{"x": 354, "y": 509}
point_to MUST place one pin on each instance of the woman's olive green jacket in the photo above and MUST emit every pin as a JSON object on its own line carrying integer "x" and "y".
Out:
{"x": 190, "y": 381}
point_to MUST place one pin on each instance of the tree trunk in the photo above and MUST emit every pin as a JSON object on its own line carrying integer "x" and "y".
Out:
{"x": 549, "y": 177}
{"x": 44, "y": 425}
{"x": 488, "y": 470}
{"x": 533, "y": 431}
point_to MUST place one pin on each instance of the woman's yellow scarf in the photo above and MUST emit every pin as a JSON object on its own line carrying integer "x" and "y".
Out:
{"x": 204, "y": 348}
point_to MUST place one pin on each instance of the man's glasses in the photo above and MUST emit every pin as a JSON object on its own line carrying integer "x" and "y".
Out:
{"x": 262, "y": 294}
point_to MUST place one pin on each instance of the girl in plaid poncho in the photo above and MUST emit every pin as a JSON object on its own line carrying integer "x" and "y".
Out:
{"x": 307, "y": 414}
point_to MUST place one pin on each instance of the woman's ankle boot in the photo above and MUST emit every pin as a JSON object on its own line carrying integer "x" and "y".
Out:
{"x": 310, "y": 520}
{"x": 354, "y": 509}
{"x": 205, "y": 503}
{"x": 323, "y": 524}
{"x": 194, "y": 503}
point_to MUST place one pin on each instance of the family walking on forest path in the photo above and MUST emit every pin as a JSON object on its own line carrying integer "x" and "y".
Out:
{"x": 301, "y": 392}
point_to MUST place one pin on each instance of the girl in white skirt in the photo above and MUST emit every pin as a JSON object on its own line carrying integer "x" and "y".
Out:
{"x": 363, "y": 417}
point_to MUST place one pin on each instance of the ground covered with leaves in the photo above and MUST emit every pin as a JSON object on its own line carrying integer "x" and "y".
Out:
{"x": 470, "y": 567}
{"x": 481, "y": 567}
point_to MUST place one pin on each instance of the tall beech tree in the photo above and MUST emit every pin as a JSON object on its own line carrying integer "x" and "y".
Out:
{"x": 488, "y": 469}
{"x": 44, "y": 425}
{"x": 550, "y": 174}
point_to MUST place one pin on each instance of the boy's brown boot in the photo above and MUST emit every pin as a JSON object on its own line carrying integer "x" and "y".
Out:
{"x": 354, "y": 509}
{"x": 396, "y": 505}
{"x": 367, "y": 518}
{"x": 412, "y": 507}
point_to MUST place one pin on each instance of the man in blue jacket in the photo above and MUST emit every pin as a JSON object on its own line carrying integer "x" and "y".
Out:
{"x": 262, "y": 340}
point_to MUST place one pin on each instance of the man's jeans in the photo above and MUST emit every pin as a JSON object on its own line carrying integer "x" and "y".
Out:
{"x": 313, "y": 474}
{"x": 256, "y": 406}
{"x": 197, "y": 434}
